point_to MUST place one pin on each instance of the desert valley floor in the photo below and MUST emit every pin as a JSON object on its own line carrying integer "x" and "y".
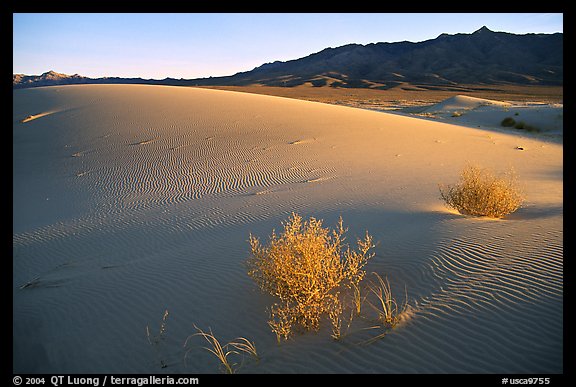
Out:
{"x": 130, "y": 200}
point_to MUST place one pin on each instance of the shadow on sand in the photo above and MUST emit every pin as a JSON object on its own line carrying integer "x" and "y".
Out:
{"x": 535, "y": 212}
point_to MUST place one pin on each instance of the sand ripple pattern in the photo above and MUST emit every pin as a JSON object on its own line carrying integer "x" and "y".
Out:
{"x": 516, "y": 286}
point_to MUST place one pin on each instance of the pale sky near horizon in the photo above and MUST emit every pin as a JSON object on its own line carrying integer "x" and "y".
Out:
{"x": 216, "y": 44}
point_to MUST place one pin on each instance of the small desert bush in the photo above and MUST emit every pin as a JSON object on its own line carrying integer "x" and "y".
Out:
{"x": 480, "y": 192}
{"x": 310, "y": 270}
{"x": 508, "y": 122}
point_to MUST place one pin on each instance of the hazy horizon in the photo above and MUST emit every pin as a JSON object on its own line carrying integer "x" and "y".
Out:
{"x": 157, "y": 46}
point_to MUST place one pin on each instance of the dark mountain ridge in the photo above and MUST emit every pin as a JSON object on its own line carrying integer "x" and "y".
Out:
{"x": 481, "y": 57}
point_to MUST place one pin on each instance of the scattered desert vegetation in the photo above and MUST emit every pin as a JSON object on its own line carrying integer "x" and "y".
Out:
{"x": 523, "y": 126}
{"x": 481, "y": 193}
{"x": 510, "y": 122}
{"x": 223, "y": 353}
{"x": 311, "y": 271}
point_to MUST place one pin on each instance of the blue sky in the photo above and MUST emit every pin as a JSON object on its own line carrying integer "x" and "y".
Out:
{"x": 201, "y": 45}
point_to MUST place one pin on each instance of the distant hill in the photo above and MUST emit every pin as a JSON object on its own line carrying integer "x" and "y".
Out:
{"x": 52, "y": 78}
{"x": 46, "y": 79}
{"x": 483, "y": 57}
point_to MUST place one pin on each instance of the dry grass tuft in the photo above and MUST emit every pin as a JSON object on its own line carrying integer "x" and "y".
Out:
{"x": 386, "y": 307}
{"x": 157, "y": 340}
{"x": 388, "y": 312}
{"x": 247, "y": 346}
{"x": 481, "y": 193}
{"x": 357, "y": 299}
{"x": 217, "y": 350}
{"x": 309, "y": 269}
{"x": 223, "y": 353}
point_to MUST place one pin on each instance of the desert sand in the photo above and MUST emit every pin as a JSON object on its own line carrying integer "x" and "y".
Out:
{"x": 129, "y": 200}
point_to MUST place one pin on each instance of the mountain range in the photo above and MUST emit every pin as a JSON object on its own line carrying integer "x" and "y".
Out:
{"x": 482, "y": 57}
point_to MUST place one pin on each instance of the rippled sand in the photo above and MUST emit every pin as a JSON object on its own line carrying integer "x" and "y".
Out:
{"x": 130, "y": 200}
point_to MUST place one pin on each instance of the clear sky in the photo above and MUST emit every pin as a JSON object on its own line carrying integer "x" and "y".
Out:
{"x": 215, "y": 44}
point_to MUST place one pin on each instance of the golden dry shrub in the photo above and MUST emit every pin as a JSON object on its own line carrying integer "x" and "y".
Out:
{"x": 309, "y": 269}
{"x": 482, "y": 193}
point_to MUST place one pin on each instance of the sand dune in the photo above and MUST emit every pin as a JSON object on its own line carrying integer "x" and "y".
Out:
{"x": 131, "y": 200}
{"x": 546, "y": 119}
{"x": 459, "y": 103}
